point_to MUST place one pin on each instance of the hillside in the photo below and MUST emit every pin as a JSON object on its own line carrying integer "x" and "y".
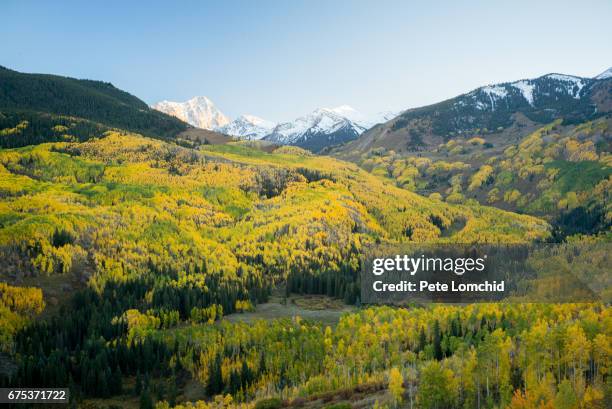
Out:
{"x": 160, "y": 243}
{"x": 157, "y": 200}
{"x": 139, "y": 269}
{"x": 126, "y": 255}
{"x": 559, "y": 172}
{"x": 502, "y": 111}
{"x": 41, "y": 107}
{"x": 540, "y": 147}
{"x": 185, "y": 235}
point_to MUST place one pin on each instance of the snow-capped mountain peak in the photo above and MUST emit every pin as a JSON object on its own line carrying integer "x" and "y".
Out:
{"x": 248, "y": 127}
{"x": 199, "y": 111}
{"x": 604, "y": 75}
{"x": 321, "y": 128}
{"x": 323, "y": 120}
{"x": 325, "y": 127}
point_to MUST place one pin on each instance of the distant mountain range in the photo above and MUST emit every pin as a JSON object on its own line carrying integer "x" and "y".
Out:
{"x": 86, "y": 108}
{"x": 486, "y": 110}
{"x": 493, "y": 109}
{"x": 325, "y": 127}
{"x": 317, "y": 130}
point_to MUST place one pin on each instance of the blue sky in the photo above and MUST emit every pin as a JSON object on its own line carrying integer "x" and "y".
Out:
{"x": 281, "y": 59}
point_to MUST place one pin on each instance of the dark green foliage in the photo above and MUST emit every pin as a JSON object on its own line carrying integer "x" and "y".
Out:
{"x": 463, "y": 114}
{"x": 74, "y": 344}
{"x": 215, "y": 379}
{"x": 422, "y": 340}
{"x": 43, "y": 127}
{"x": 437, "y": 338}
{"x": 145, "y": 400}
{"x": 580, "y": 220}
{"x": 61, "y": 238}
{"x": 416, "y": 140}
{"x": 343, "y": 284}
{"x": 31, "y": 96}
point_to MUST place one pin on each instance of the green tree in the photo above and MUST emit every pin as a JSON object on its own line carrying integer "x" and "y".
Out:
{"x": 566, "y": 397}
{"x": 145, "y": 400}
{"x": 437, "y": 388}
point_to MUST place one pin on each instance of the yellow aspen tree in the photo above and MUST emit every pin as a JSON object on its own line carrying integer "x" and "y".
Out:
{"x": 396, "y": 385}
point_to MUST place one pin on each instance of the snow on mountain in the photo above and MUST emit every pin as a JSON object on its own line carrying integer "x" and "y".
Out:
{"x": 604, "y": 75}
{"x": 322, "y": 121}
{"x": 321, "y": 128}
{"x": 492, "y": 109}
{"x": 489, "y": 98}
{"x": 572, "y": 85}
{"x": 325, "y": 127}
{"x": 364, "y": 120}
{"x": 200, "y": 112}
{"x": 526, "y": 89}
{"x": 248, "y": 127}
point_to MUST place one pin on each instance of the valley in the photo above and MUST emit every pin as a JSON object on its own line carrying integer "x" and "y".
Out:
{"x": 150, "y": 263}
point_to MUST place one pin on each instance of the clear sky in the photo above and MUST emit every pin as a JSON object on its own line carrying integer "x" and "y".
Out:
{"x": 281, "y": 59}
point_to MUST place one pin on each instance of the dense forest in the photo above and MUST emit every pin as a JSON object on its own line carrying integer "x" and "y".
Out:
{"x": 78, "y": 108}
{"x": 137, "y": 268}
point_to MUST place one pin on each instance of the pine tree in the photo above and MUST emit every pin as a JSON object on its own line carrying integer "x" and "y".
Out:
{"x": 422, "y": 340}
{"x": 215, "y": 379}
{"x": 437, "y": 341}
{"x": 145, "y": 400}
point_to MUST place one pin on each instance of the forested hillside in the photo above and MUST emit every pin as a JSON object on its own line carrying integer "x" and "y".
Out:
{"x": 559, "y": 172}
{"x": 158, "y": 236}
{"x": 41, "y": 108}
{"x": 136, "y": 201}
{"x": 500, "y": 111}
{"x": 538, "y": 146}
{"x": 135, "y": 269}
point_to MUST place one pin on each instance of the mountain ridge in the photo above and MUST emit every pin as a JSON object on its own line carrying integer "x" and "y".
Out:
{"x": 36, "y": 98}
{"x": 604, "y": 75}
{"x": 317, "y": 130}
{"x": 491, "y": 109}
